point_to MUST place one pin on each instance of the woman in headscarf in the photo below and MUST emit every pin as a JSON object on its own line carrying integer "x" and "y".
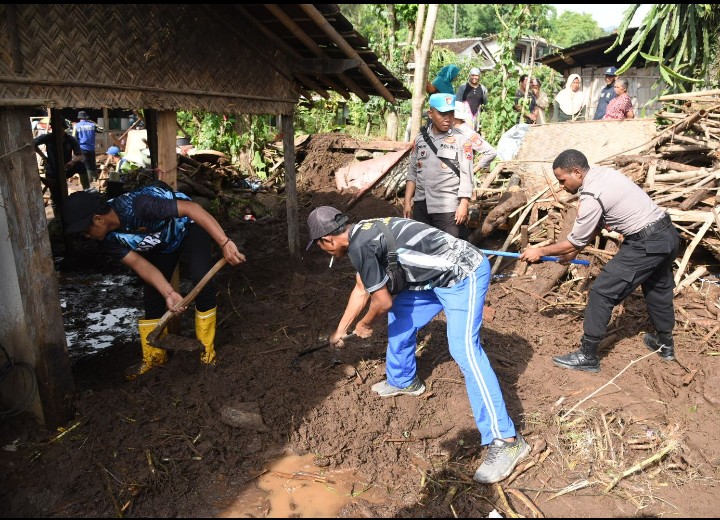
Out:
{"x": 620, "y": 107}
{"x": 443, "y": 82}
{"x": 570, "y": 102}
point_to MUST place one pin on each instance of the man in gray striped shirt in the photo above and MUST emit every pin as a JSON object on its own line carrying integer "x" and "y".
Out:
{"x": 443, "y": 273}
{"x": 609, "y": 199}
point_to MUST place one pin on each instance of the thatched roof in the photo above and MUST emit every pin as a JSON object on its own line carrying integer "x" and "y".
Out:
{"x": 252, "y": 59}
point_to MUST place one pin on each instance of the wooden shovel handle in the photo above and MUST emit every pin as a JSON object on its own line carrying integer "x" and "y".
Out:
{"x": 155, "y": 334}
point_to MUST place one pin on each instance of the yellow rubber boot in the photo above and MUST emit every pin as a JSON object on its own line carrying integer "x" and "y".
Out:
{"x": 205, "y": 332}
{"x": 151, "y": 356}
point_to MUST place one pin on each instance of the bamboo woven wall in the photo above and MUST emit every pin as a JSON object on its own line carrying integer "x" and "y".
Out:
{"x": 164, "y": 57}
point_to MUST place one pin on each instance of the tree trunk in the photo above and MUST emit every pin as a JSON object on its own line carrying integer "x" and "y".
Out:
{"x": 422, "y": 57}
{"x": 391, "y": 124}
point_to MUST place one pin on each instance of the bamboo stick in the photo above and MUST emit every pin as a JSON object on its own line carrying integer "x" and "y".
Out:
{"x": 709, "y": 220}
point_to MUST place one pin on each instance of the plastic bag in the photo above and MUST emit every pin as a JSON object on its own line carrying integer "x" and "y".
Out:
{"x": 509, "y": 144}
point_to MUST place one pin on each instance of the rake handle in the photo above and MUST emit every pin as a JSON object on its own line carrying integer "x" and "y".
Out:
{"x": 543, "y": 258}
{"x": 155, "y": 334}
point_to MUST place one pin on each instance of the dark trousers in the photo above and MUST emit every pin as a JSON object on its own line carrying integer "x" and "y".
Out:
{"x": 52, "y": 181}
{"x": 194, "y": 253}
{"x": 90, "y": 164}
{"x": 647, "y": 263}
{"x": 442, "y": 221}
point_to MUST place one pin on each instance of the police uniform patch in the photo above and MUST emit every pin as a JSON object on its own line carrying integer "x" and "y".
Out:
{"x": 423, "y": 153}
{"x": 449, "y": 140}
{"x": 467, "y": 149}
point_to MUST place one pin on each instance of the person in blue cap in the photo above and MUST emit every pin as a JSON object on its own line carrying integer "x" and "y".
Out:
{"x": 439, "y": 183}
{"x": 607, "y": 93}
{"x": 122, "y": 165}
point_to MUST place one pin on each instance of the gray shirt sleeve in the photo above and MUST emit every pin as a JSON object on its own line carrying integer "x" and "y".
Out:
{"x": 587, "y": 221}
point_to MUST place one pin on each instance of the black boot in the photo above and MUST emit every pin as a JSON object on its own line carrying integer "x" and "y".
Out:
{"x": 584, "y": 359}
{"x": 663, "y": 341}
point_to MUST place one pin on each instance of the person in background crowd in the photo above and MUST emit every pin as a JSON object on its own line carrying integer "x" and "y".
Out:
{"x": 72, "y": 157}
{"x": 443, "y": 82}
{"x": 475, "y": 95}
{"x": 121, "y": 164}
{"x": 148, "y": 230}
{"x": 85, "y": 131}
{"x": 607, "y": 93}
{"x": 486, "y": 150}
{"x": 443, "y": 274}
{"x": 528, "y": 113}
{"x": 608, "y": 198}
{"x": 440, "y": 178}
{"x": 541, "y": 101}
{"x": 570, "y": 102}
{"x": 621, "y": 106}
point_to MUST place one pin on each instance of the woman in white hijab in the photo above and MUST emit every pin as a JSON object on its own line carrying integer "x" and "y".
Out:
{"x": 570, "y": 102}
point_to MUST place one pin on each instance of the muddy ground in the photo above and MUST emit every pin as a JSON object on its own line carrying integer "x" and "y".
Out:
{"x": 638, "y": 439}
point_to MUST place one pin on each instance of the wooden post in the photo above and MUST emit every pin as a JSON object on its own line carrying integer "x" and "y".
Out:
{"x": 31, "y": 320}
{"x": 106, "y": 128}
{"x": 288, "y": 129}
{"x": 167, "y": 147}
{"x": 166, "y": 139}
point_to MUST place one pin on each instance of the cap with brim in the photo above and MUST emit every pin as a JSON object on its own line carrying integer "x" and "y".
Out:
{"x": 610, "y": 71}
{"x": 113, "y": 150}
{"x": 79, "y": 209}
{"x": 324, "y": 220}
{"x": 443, "y": 102}
{"x": 474, "y": 71}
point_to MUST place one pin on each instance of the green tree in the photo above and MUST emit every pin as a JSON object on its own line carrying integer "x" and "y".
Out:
{"x": 518, "y": 20}
{"x": 473, "y": 21}
{"x": 572, "y": 28}
{"x": 681, "y": 38}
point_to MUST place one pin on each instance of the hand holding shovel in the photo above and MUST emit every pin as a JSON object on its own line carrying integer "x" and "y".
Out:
{"x": 174, "y": 341}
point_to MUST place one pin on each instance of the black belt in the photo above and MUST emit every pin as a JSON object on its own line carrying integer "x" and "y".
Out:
{"x": 651, "y": 229}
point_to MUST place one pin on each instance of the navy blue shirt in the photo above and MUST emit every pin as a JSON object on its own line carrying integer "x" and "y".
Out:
{"x": 606, "y": 95}
{"x": 149, "y": 221}
{"x": 430, "y": 257}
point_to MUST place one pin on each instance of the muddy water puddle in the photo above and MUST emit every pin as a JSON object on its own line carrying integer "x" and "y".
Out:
{"x": 98, "y": 310}
{"x": 294, "y": 487}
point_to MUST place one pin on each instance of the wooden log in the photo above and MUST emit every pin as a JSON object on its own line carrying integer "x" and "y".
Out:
{"x": 694, "y": 199}
{"x": 650, "y": 177}
{"x": 695, "y": 186}
{"x": 700, "y": 271}
{"x": 709, "y": 220}
{"x": 678, "y": 215}
{"x": 681, "y": 176}
{"x": 513, "y": 199}
{"x": 701, "y": 95}
{"x": 490, "y": 177}
{"x": 662, "y": 164}
{"x": 693, "y": 141}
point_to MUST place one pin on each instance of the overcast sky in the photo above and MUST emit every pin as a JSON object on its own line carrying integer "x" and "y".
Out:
{"x": 606, "y": 15}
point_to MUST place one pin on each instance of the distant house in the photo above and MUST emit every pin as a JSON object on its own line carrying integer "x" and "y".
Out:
{"x": 485, "y": 50}
{"x": 589, "y": 60}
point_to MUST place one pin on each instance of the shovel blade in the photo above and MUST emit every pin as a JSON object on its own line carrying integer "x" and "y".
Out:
{"x": 177, "y": 342}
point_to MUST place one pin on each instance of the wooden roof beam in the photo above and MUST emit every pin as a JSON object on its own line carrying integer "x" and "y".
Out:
{"x": 302, "y": 78}
{"x": 320, "y": 20}
{"x": 315, "y": 48}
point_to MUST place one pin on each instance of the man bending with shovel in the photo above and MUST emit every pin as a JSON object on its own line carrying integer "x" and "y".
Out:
{"x": 147, "y": 230}
{"x": 442, "y": 273}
